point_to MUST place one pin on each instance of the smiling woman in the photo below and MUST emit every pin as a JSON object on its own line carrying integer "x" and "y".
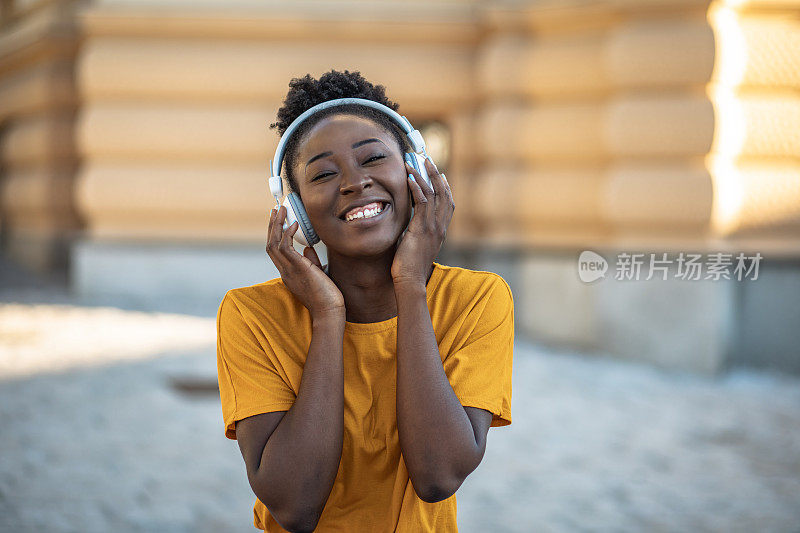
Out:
{"x": 361, "y": 392}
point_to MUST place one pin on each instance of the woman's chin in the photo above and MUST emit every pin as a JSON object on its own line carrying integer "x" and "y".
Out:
{"x": 365, "y": 249}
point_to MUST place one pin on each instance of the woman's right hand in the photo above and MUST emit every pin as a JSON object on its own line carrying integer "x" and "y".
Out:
{"x": 302, "y": 274}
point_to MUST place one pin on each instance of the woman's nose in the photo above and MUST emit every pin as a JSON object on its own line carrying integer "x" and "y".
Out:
{"x": 353, "y": 181}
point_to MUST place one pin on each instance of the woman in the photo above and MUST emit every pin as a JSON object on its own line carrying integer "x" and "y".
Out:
{"x": 361, "y": 394}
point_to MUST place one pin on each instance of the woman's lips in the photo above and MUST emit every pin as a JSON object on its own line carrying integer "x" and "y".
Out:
{"x": 363, "y": 222}
{"x": 365, "y": 210}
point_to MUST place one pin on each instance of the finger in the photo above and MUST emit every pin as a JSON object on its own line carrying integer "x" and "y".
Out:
{"x": 285, "y": 246}
{"x": 414, "y": 180}
{"x": 274, "y": 233}
{"x": 446, "y": 191}
{"x": 426, "y": 188}
{"x": 420, "y": 200}
{"x": 431, "y": 212}
{"x": 440, "y": 187}
{"x": 448, "y": 195}
{"x": 294, "y": 258}
{"x": 312, "y": 256}
{"x": 434, "y": 175}
{"x": 444, "y": 200}
{"x": 270, "y": 220}
{"x": 275, "y": 226}
{"x": 438, "y": 179}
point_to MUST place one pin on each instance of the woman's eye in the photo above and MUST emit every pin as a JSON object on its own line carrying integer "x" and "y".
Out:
{"x": 322, "y": 175}
{"x": 374, "y": 158}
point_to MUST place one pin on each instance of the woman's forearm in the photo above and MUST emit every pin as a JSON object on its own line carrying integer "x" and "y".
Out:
{"x": 301, "y": 457}
{"x": 436, "y": 436}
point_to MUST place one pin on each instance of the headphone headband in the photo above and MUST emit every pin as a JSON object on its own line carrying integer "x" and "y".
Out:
{"x": 414, "y": 136}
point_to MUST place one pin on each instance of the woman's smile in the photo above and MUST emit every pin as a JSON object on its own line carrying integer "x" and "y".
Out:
{"x": 367, "y": 215}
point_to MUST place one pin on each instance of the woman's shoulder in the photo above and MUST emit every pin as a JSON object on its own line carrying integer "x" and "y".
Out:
{"x": 460, "y": 288}
{"x": 270, "y": 296}
{"x": 461, "y": 279}
{"x": 272, "y": 288}
{"x": 470, "y": 300}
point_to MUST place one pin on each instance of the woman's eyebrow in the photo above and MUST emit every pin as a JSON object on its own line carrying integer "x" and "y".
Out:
{"x": 355, "y": 145}
{"x": 319, "y": 156}
{"x": 366, "y": 141}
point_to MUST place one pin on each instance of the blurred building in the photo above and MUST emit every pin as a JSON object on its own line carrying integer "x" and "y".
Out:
{"x": 134, "y": 144}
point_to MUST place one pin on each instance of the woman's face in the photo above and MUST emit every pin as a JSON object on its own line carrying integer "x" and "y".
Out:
{"x": 344, "y": 163}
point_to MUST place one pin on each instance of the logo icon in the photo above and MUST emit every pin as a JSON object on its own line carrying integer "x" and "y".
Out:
{"x": 591, "y": 266}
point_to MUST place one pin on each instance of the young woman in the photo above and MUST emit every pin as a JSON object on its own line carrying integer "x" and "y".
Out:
{"x": 361, "y": 394}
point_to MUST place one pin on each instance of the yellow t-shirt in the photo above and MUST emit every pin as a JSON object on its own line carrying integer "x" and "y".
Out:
{"x": 263, "y": 335}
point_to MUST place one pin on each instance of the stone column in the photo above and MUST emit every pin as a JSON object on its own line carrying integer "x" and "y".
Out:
{"x": 38, "y": 101}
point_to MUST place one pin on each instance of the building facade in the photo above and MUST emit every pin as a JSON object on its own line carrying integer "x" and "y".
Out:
{"x": 134, "y": 144}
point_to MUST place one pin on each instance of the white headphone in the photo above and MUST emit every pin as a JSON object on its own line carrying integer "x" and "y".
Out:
{"x": 295, "y": 211}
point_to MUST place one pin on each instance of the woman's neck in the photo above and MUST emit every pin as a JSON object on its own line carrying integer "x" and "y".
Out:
{"x": 366, "y": 285}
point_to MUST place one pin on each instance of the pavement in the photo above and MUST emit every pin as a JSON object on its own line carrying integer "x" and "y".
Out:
{"x": 111, "y": 422}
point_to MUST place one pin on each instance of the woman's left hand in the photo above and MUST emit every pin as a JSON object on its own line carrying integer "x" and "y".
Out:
{"x": 433, "y": 209}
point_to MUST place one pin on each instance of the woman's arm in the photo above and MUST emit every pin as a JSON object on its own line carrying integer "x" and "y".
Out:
{"x": 292, "y": 469}
{"x": 442, "y": 441}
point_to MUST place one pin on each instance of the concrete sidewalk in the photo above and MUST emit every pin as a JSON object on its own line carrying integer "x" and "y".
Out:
{"x": 98, "y": 436}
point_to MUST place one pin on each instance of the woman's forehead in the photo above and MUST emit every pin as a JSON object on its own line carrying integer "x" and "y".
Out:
{"x": 341, "y": 129}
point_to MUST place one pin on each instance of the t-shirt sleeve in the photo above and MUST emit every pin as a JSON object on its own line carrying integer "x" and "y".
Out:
{"x": 480, "y": 369}
{"x": 250, "y": 381}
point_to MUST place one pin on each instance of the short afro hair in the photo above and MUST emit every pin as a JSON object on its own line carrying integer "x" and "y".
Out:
{"x": 306, "y": 92}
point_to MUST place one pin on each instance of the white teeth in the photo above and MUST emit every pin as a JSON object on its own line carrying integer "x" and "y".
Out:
{"x": 365, "y": 213}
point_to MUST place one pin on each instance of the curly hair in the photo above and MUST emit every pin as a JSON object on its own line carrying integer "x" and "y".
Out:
{"x": 306, "y": 92}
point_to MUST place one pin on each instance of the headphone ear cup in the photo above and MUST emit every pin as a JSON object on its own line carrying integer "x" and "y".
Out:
{"x": 418, "y": 162}
{"x": 296, "y": 210}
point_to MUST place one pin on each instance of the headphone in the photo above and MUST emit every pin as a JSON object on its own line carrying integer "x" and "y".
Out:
{"x": 295, "y": 210}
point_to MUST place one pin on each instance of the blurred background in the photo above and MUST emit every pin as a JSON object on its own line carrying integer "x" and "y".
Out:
{"x": 134, "y": 144}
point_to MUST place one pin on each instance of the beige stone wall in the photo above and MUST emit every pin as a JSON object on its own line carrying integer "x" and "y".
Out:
{"x": 641, "y": 124}
{"x": 658, "y": 123}
{"x": 174, "y": 129}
